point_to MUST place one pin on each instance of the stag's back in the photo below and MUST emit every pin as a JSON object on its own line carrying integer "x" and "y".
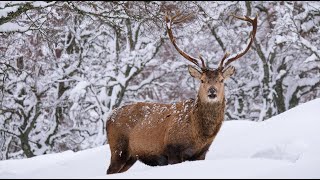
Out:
{"x": 146, "y": 127}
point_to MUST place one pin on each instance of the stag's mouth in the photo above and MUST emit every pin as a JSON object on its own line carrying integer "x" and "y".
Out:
{"x": 212, "y": 93}
{"x": 212, "y": 96}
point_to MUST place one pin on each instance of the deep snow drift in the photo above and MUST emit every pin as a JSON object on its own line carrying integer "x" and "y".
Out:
{"x": 285, "y": 146}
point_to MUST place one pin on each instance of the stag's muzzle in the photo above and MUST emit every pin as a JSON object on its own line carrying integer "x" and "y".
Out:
{"x": 212, "y": 93}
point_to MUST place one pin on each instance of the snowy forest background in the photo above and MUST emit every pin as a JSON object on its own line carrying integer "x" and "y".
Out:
{"x": 65, "y": 65}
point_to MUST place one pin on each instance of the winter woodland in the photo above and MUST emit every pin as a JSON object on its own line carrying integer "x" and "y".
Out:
{"x": 65, "y": 65}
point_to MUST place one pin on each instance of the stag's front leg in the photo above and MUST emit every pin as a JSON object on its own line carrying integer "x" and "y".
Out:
{"x": 200, "y": 155}
{"x": 174, "y": 153}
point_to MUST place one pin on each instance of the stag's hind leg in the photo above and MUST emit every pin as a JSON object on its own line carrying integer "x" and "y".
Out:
{"x": 115, "y": 165}
{"x": 119, "y": 154}
{"x": 128, "y": 164}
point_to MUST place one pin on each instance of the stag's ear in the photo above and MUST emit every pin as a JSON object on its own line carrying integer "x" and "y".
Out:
{"x": 228, "y": 72}
{"x": 194, "y": 72}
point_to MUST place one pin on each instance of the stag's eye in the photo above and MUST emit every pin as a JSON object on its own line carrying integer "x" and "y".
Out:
{"x": 202, "y": 81}
{"x": 221, "y": 80}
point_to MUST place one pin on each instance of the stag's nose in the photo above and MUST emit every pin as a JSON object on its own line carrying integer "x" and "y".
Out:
{"x": 212, "y": 93}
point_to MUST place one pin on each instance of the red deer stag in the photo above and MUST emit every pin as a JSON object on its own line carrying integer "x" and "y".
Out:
{"x": 161, "y": 134}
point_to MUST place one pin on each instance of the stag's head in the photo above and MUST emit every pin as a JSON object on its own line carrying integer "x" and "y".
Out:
{"x": 212, "y": 80}
{"x": 212, "y": 83}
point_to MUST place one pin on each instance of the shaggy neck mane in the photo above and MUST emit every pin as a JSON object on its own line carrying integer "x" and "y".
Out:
{"x": 208, "y": 117}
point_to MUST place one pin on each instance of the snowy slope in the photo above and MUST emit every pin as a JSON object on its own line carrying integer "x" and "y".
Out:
{"x": 285, "y": 146}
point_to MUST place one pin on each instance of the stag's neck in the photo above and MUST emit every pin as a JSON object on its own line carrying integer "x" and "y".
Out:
{"x": 208, "y": 117}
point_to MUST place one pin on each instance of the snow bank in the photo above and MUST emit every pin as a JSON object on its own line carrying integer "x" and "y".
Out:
{"x": 285, "y": 146}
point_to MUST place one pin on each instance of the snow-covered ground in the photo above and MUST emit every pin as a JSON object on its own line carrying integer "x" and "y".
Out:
{"x": 285, "y": 146}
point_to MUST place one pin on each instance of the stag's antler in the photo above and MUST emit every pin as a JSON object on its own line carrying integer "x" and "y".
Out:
{"x": 178, "y": 18}
{"x": 252, "y": 35}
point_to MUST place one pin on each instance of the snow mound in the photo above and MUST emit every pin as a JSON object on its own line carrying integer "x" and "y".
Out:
{"x": 285, "y": 146}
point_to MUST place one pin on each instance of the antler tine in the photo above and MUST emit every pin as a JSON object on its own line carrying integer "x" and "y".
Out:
{"x": 175, "y": 16}
{"x": 222, "y": 61}
{"x": 178, "y": 18}
{"x": 254, "y": 23}
{"x": 202, "y": 62}
{"x": 181, "y": 18}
